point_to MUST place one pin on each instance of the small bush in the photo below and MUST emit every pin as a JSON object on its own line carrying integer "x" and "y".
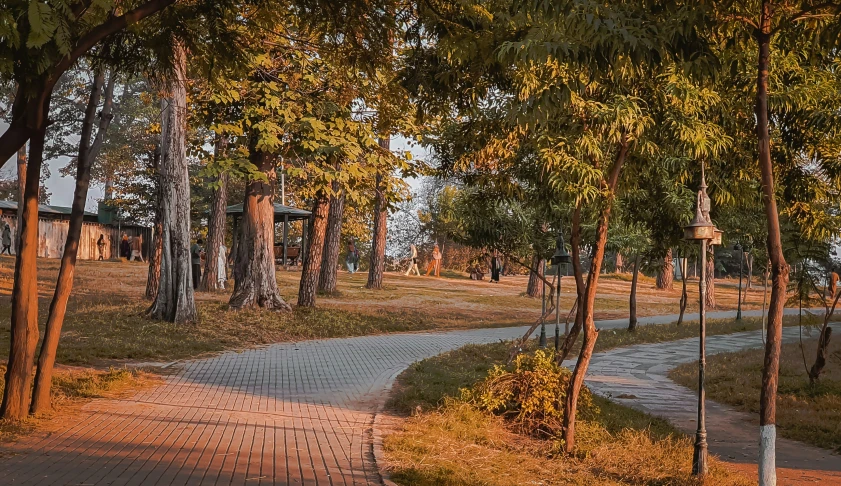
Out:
{"x": 530, "y": 394}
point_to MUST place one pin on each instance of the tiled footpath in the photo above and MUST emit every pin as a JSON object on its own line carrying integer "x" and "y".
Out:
{"x": 637, "y": 376}
{"x": 289, "y": 414}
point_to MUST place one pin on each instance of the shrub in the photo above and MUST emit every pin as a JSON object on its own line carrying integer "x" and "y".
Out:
{"x": 530, "y": 394}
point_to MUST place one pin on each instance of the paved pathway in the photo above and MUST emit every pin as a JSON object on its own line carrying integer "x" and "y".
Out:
{"x": 637, "y": 376}
{"x": 292, "y": 413}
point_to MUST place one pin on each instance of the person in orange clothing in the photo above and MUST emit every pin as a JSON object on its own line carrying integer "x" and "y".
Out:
{"x": 435, "y": 264}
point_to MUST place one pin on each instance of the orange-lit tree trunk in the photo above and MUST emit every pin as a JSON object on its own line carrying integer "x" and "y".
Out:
{"x": 779, "y": 268}
{"x": 255, "y": 282}
{"x": 588, "y": 302}
{"x": 87, "y": 154}
{"x": 312, "y": 261}
{"x": 666, "y": 273}
{"x": 578, "y": 273}
{"x": 327, "y": 280}
{"x": 533, "y": 287}
{"x": 24, "y": 321}
{"x": 377, "y": 260}
{"x": 153, "y": 277}
{"x": 175, "y": 301}
{"x": 21, "y": 164}
{"x": 710, "y": 298}
{"x": 216, "y": 226}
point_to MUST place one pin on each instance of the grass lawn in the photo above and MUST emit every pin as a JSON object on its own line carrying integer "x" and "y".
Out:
{"x": 453, "y": 443}
{"x": 807, "y": 413}
{"x": 105, "y": 323}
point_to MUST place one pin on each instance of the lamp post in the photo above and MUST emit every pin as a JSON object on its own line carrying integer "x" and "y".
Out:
{"x": 701, "y": 229}
{"x": 542, "y": 341}
{"x": 560, "y": 257}
{"x": 739, "y": 249}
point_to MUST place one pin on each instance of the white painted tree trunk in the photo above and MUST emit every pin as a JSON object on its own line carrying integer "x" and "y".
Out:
{"x": 174, "y": 301}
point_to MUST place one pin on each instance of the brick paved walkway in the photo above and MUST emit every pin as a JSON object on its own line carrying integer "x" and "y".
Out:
{"x": 637, "y": 376}
{"x": 292, "y": 413}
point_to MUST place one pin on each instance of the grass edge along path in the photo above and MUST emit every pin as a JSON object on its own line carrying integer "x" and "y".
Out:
{"x": 805, "y": 413}
{"x": 453, "y": 443}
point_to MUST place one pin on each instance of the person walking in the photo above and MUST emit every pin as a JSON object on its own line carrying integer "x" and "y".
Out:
{"x": 125, "y": 247}
{"x": 100, "y": 246}
{"x": 222, "y": 266}
{"x": 413, "y": 261}
{"x": 7, "y": 240}
{"x": 435, "y": 264}
{"x": 136, "y": 248}
{"x": 352, "y": 259}
{"x": 495, "y": 267}
{"x": 195, "y": 259}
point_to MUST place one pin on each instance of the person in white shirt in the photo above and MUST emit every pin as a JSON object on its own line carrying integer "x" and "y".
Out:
{"x": 413, "y": 262}
{"x": 222, "y": 266}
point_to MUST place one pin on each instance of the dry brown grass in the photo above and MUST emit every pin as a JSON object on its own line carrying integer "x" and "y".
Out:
{"x": 808, "y": 413}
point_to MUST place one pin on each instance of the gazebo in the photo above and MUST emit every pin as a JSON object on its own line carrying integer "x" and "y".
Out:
{"x": 282, "y": 214}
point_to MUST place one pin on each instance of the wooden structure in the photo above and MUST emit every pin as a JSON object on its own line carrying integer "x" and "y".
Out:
{"x": 284, "y": 254}
{"x": 53, "y": 224}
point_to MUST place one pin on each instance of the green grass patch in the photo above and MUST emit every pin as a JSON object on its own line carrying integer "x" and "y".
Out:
{"x": 805, "y": 412}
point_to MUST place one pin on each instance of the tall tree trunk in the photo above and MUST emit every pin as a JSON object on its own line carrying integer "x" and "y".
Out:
{"x": 24, "y": 321}
{"x": 535, "y": 282}
{"x": 578, "y": 273}
{"x": 312, "y": 262}
{"x": 375, "y": 272}
{"x": 87, "y": 154}
{"x": 684, "y": 297}
{"x": 666, "y": 273}
{"x": 749, "y": 271}
{"x": 332, "y": 242}
{"x": 588, "y": 302}
{"x": 21, "y": 164}
{"x": 711, "y": 278}
{"x": 779, "y": 268}
{"x": 174, "y": 301}
{"x": 632, "y": 306}
{"x": 255, "y": 282}
{"x": 216, "y": 225}
{"x": 153, "y": 278}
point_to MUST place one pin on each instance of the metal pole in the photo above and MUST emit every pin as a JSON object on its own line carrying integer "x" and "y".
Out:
{"x": 542, "y": 342}
{"x": 558, "y": 311}
{"x": 739, "y": 310}
{"x": 699, "y": 457}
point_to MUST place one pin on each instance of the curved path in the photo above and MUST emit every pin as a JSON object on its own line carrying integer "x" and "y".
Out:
{"x": 290, "y": 413}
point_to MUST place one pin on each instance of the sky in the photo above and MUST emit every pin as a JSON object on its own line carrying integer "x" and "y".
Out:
{"x": 61, "y": 188}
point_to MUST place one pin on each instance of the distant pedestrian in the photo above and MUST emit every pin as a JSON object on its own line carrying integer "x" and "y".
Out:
{"x": 100, "y": 246}
{"x": 195, "y": 259}
{"x": 413, "y": 261}
{"x": 137, "y": 248}
{"x": 352, "y": 259}
{"x": 222, "y": 266}
{"x": 125, "y": 247}
{"x": 833, "y": 283}
{"x": 435, "y": 264}
{"x": 7, "y": 240}
{"x": 495, "y": 267}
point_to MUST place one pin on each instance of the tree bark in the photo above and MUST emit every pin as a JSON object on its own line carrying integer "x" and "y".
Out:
{"x": 87, "y": 154}
{"x": 174, "y": 301}
{"x": 21, "y": 164}
{"x": 24, "y": 320}
{"x": 684, "y": 297}
{"x": 216, "y": 226}
{"x": 312, "y": 262}
{"x": 779, "y": 268}
{"x": 535, "y": 282}
{"x": 666, "y": 273}
{"x": 153, "y": 278}
{"x": 710, "y": 298}
{"x": 255, "y": 282}
{"x": 327, "y": 280}
{"x": 823, "y": 352}
{"x": 632, "y": 306}
{"x": 588, "y": 302}
{"x": 375, "y": 272}
{"x": 580, "y": 286}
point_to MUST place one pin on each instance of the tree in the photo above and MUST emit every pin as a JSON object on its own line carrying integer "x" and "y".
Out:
{"x": 216, "y": 225}
{"x": 377, "y": 263}
{"x": 313, "y": 258}
{"x": 327, "y": 280}
{"x": 174, "y": 301}
{"x": 88, "y": 151}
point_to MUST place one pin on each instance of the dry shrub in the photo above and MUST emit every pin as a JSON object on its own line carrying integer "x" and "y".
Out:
{"x": 530, "y": 394}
